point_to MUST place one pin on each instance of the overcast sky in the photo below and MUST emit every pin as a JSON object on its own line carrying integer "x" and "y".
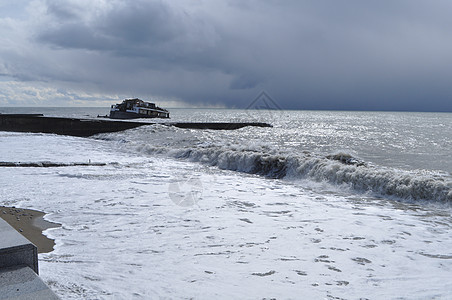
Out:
{"x": 319, "y": 54}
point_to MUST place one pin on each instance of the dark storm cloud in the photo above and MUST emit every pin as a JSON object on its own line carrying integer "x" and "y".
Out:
{"x": 149, "y": 29}
{"x": 307, "y": 54}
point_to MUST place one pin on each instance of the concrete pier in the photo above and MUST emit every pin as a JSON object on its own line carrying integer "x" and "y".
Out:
{"x": 19, "y": 267}
{"x": 63, "y": 126}
{"x": 38, "y": 123}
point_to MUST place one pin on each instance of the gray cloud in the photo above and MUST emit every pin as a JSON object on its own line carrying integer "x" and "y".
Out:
{"x": 390, "y": 55}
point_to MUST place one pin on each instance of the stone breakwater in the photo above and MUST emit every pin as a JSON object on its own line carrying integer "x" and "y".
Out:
{"x": 37, "y": 123}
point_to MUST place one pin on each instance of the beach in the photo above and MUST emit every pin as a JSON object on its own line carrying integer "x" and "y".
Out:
{"x": 31, "y": 224}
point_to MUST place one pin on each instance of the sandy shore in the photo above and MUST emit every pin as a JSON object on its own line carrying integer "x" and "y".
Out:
{"x": 30, "y": 223}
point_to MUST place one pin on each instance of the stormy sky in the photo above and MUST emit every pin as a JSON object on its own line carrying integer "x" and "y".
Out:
{"x": 313, "y": 54}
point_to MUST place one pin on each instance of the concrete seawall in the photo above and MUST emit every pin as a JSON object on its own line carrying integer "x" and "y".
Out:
{"x": 63, "y": 126}
{"x": 38, "y": 123}
{"x": 19, "y": 267}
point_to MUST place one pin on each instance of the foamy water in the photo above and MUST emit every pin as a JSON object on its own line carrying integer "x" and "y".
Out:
{"x": 322, "y": 205}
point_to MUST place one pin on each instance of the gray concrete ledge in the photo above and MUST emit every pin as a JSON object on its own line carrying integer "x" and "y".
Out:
{"x": 22, "y": 283}
{"x": 15, "y": 249}
{"x": 19, "y": 267}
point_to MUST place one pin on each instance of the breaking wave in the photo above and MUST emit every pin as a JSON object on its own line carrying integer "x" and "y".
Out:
{"x": 271, "y": 161}
{"x": 338, "y": 168}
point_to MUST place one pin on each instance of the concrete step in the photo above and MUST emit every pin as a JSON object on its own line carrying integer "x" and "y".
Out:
{"x": 19, "y": 267}
{"x": 21, "y": 282}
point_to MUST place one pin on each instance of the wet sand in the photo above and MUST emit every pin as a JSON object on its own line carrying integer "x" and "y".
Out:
{"x": 30, "y": 223}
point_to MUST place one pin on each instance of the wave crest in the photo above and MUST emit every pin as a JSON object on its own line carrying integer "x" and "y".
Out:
{"x": 339, "y": 169}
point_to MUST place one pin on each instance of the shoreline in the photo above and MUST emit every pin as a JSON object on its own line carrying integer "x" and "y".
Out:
{"x": 30, "y": 223}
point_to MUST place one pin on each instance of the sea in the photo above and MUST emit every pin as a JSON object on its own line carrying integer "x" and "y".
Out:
{"x": 323, "y": 205}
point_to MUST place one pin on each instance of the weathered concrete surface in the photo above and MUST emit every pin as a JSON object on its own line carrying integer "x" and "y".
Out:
{"x": 15, "y": 249}
{"x": 22, "y": 283}
{"x": 19, "y": 267}
{"x": 87, "y": 127}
